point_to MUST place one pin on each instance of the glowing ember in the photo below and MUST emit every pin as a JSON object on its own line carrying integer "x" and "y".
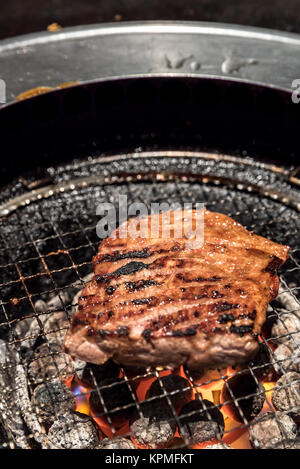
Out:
{"x": 236, "y": 434}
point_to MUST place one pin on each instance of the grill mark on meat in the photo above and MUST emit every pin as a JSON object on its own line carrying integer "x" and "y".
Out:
{"x": 201, "y": 286}
{"x": 226, "y": 306}
{"x": 141, "y": 254}
{"x": 127, "y": 269}
{"x": 141, "y": 284}
{"x": 273, "y": 266}
{"x": 117, "y": 256}
{"x": 241, "y": 330}
{"x": 198, "y": 279}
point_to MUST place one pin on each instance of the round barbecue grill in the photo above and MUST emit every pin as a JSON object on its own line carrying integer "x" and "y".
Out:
{"x": 229, "y": 143}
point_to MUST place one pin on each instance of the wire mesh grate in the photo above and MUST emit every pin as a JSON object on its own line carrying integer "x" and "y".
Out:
{"x": 46, "y": 249}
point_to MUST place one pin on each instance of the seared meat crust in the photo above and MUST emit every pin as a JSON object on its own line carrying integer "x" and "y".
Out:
{"x": 154, "y": 302}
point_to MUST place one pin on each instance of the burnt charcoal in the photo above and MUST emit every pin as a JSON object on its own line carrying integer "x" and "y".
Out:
{"x": 195, "y": 375}
{"x": 262, "y": 363}
{"x": 177, "y": 388}
{"x": 241, "y": 386}
{"x": 155, "y": 427}
{"x": 286, "y": 395}
{"x": 93, "y": 375}
{"x": 116, "y": 395}
{"x": 218, "y": 446}
{"x": 286, "y": 358}
{"x": 52, "y": 399}
{"x": 115, "y": 443}
{"x": 272, "y": 431}
{"x": 49, "y": 362}
{"x": 135, "y": 374}
{"x": 56, "y": 327}
{"x": 201, "y": 420}
{"x": 286, "y": 329}
{"x": 73, "y": 431}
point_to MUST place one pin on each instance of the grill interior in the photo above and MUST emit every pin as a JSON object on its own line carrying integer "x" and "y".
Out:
{"x": 46, "y": 250}
{"x": 48, "y": 238}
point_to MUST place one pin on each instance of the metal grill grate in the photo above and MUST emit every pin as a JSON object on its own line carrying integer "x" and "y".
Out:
{"x": 46, "y": 247}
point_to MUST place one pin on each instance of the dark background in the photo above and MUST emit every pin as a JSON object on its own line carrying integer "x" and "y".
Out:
{"x": 25, "y": 16}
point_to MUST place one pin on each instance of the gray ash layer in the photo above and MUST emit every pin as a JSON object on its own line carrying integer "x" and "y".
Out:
{"x": 52, "y": 399}
{"x": 155, "y": 427}
{"x": 115, "y": 443}
{"x": 218, "y": 446}
{"x": 286, "y": 359}
{"x": 49, "y": 362}
{"x": 286, "y": 395}
{"x": 201, "y": 420}
{"x": 271, "y": 430}
{"x": 73, "y": 431}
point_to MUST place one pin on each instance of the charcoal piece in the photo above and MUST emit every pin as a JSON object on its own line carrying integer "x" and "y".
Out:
{"x": 286, "y": 329}
{"x": 115, "y": 443}
{"x": 249, "y": 394}
{"x": 272, "y": 431}
{"x": 49, "y": 362}
{"x": 155, "y": 427}
{"x": 218, "y": 446}
{"x": 73, "y": 431}
{"x": 115, "y": 394}
{"x": 195, "y": 375}
{"x": 262, "y": 363}
{"x": 56, "y": 327}
{"x": 286, "y": 395}
{"x": 52, "y": 399}
{"x": 286, "y": 358}
{"x": 135, "y": 375}
{"x": 94, "y": 375}
{"x": 178, "y": 389}
{"x": 201, "y": 420}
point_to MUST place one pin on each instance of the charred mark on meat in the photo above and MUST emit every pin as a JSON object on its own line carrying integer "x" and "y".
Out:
{"x": 273, "y": 266}
{"x": 177, "y": 333}
{"x": 216, "y": 294}
{"x": 190, "y": 331}
{"x": 122, "y": 331}
{"x": 80, "y": 322}
{"x": 110, "y": 290}
{"x": 198, "y": 279}
{"x": 127, "y": 269}
{"x": 146, "y": 334}
{"x": 140, "y": 284}
{"x": 241, "y": 330}
{"x": 144, "y": 301}
{"x": 226, "y": 306}
{"x": 196, "y": 314}
{"x": 116, "y": 256}
{"x": 225, "y": 318}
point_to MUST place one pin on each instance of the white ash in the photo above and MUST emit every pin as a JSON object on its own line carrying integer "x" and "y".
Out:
{"x": 56, "y": 327}
{"x": 200, "y": 420}
{"x": 286, "y": 329}
{"x": 155, "y": 427}
{"x": 286, "y": 358}
{"x": 115, "y": 443}
{"x": 52, "y": 399}
{"x": 218, "y": 446}
{"x": 73, "y": 431}
{"x": 48, "y": 363}
{"x": 288, "y": 300}
{"x": 286, "y": 395}
{"x": 269, "y": 430}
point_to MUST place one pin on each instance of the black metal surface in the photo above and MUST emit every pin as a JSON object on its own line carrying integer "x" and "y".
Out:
{"x": 25, "y": 17}
{"x": 48, "y": 236}
{"x": 224, "y": 116}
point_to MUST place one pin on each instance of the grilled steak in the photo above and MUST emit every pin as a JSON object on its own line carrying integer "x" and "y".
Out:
{"x": 153, "y": 301}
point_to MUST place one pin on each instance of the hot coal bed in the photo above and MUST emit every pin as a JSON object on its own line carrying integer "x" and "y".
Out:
{"x": 49, "y": 400}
